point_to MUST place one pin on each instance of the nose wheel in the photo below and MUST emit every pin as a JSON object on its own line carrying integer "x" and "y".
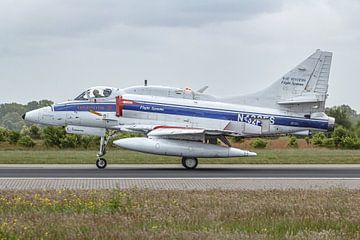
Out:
{"x": 189, "y": 163}
{"x": 101, "y": 163}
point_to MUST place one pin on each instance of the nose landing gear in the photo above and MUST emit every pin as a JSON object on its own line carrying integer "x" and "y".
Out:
{"x": 100, "y": 161}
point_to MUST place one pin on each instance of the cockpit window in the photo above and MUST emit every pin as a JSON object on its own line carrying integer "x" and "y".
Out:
{"x": 100, "y": 92}
{"x": 83, "y": 96}
{"x": 107, "y": 92}
{"x": 96, "y": 92}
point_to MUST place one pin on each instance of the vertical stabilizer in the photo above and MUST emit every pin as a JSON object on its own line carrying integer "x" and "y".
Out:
{"x": 301, "y": 90}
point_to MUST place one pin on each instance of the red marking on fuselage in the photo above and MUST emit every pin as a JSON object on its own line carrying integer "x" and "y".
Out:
{"x": 119, "y": 106}
{"x": 120, "y": 102}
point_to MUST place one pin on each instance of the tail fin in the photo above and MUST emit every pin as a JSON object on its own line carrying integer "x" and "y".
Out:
{"x": 302, "y": 90}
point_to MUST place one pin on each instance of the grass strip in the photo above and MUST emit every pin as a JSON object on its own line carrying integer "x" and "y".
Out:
{"x": 150, "y": 214}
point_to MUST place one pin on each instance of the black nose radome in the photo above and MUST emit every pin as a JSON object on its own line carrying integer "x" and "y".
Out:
{"x": 23, "y": 116}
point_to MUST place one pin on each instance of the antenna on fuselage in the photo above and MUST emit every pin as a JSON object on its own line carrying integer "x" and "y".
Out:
{"x": 145, "y": 82}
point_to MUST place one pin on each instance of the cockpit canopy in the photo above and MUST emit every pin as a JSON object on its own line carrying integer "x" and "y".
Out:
{"x": 95, "y": 93}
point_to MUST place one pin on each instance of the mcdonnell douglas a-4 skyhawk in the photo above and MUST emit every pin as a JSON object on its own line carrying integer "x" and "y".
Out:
{"x": 186, "y": 123}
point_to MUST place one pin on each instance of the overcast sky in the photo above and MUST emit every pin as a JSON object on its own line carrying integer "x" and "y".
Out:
{"x": 56, "y": 49}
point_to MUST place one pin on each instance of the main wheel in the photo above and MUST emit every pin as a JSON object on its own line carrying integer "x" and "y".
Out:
{"x": 189, "y": 163}
{"x": 101, "y": 163}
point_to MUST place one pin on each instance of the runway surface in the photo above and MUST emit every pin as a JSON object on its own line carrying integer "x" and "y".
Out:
{"x": 175, "y": 177}
{"x": 174, "y": 171}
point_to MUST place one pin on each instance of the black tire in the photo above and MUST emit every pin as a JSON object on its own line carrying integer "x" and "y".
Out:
{"x": 101, "y": 163}
{"x": 189, "y": 162}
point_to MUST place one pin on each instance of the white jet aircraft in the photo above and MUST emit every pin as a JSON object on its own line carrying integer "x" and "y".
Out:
{"x": 187, "y": 123}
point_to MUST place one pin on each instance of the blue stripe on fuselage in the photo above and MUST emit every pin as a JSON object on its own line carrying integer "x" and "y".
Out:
{"x": 101, "y": 107}
{"x": 252, "y": 118}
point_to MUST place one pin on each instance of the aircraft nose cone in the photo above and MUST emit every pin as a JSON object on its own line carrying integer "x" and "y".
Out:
{"x": 32, "y": 116}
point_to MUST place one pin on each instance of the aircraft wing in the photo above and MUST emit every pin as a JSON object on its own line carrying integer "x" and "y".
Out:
{"x": 134, "y": 128}
{"x": 178, "y": 133}
{"x": 190, "y": 134}
{"x": 173, "y": 132}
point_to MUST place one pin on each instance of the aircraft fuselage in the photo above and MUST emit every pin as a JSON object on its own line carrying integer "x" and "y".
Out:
{"x": 167, "y": 111}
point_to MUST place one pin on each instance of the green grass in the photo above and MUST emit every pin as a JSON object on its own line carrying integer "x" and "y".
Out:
{"x": 151, "y": 214}
{"x": 278, "y": 156}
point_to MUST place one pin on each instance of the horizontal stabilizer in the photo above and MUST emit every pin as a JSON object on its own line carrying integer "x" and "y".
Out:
{"x": 310, "y": 98}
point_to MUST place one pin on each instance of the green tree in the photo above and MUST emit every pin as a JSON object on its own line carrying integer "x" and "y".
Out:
{"x": 344, "y": 115}
{"x": 10, "y": 113}
{"x": 12, "y": 121}
{"x": 356, "y": 128}
{"x": 11, "y": 108}
{"x": 35, "y": 105}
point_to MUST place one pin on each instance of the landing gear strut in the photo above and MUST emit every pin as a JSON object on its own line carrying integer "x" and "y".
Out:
{"x": 100, "y": 161}
{"x": 189, "y": 162}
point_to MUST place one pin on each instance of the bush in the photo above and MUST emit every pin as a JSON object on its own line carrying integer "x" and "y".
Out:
{"x": 349, "y": 142}
{"x": 86, "y": 141}
{"x": 70, "y": 141}
{"x": 292, "y": 142}
{"x": 25, "y": 131}
{"x": 328, "y": 142}
{"x": 35, "y": 132}
{"x": 307, "y": 140}
{"x": 13, "y": 137}
{"x": 53, "y": 135}
{"x": 258, "y": 143}
{"x": 26, "y": 141}
{"x": 318, "y": 138}
{"x": 339, "y": 134}
{"x": 3, "y": 134}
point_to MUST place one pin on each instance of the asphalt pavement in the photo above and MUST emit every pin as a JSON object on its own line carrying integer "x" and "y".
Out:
{"x": 177, "y": 171}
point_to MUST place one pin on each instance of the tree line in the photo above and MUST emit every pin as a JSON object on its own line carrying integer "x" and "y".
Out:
{"x": 10, "y": 113}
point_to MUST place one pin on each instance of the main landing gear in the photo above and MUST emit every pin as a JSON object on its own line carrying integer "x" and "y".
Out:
{"x": 101, "y": 161}
{"x": 189, "y": 162}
